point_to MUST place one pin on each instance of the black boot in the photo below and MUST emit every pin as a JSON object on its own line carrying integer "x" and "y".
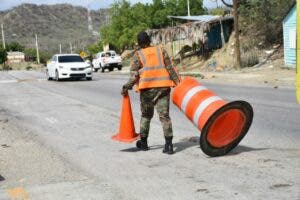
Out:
{"x": 142, "y": 144}
{"x": 168, "y": 146}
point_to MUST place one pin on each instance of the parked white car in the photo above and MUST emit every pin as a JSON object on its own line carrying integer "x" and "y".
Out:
{"x": 65, "y": 66}
{"x": 107, "y": 60}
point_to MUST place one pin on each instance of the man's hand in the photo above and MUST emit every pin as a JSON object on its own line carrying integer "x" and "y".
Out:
{"x": 124, "y": 91}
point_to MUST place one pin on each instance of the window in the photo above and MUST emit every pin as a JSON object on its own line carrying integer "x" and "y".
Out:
{"x": 68, "y": 59}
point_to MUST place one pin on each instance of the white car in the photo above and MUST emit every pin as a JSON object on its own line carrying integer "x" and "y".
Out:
{"x": 65, "y": 66}
{"x": 107, "y": 60}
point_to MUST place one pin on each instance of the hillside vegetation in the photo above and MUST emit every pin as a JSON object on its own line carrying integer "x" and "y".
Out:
{"x": 54, "y": 24}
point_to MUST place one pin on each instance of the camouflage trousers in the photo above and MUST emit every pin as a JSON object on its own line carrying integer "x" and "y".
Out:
{"x": 158, "y": 98}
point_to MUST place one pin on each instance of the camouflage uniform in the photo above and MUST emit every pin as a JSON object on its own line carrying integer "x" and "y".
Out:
{"x": 153, "y": 97}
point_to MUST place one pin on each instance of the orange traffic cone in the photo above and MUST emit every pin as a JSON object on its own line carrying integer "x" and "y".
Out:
{"x": 126, "y": 129}
{"x": 223, "y": 125}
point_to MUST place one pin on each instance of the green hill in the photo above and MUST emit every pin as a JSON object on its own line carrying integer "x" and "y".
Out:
{"x": 54, "y": 24}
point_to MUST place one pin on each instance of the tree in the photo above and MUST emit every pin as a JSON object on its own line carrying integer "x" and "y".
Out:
{"x": 235, "y": 7}
{"x": 30, "y": 55}
{"x": 3, "y": 55}
{"x": 128, "y": 20}
{"x": 266, "y": 16}
{"x": 15, "y": 46}
{"x": 95, "y": 48}
{"x": 125, "y": 24}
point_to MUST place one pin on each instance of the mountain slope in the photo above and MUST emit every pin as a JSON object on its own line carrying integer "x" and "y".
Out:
{"x": 54, "y": 24}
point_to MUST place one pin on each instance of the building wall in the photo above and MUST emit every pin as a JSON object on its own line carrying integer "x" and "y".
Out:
{"x": 289, "y": 34}
{"x": 15, "y": 58}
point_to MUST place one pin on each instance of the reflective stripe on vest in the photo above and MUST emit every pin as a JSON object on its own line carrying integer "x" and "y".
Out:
{"x": 153, "y": 73}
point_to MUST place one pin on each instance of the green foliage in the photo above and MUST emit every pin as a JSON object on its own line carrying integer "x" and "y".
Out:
{"x": 218, "y": 11}
{"x": 264, "y": 17}
{"x": 3, "y": 55}
{"x": 128, "y": 20}
{"x": 95, "y": 48}
{"x": 15, "y": 46}
{"x": 30, "y": 55}
{"x": 250, "y": 58}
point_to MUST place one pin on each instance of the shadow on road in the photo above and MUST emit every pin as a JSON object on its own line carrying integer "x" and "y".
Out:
{"x": 178, "y": 146}
{"x": 186, "y": 143}
{"x": 242, "y": 149}
{"x": 2, "y": 178}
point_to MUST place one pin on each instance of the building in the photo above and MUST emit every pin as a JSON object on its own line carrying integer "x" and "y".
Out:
{"x": 289, "y": 38}
{"x": 15, "y": 57}
{"x": 207, "y": 31}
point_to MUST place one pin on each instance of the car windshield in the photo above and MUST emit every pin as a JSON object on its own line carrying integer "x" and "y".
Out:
{"x": 68, "y": 59}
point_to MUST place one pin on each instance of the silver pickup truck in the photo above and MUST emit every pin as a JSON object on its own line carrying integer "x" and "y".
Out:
{"x": 107, "y": 60}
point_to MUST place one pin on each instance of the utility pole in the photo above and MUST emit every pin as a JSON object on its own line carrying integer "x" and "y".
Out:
{"x": 71, "y": 49}
{"x": 37, "y": 49}
{"x": 188, "y": 5}
{"x": 60, "y": 48}
{"x": 3, "y": 37}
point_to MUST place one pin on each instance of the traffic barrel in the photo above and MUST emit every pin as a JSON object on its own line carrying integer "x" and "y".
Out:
{"x": 223, "y": 125}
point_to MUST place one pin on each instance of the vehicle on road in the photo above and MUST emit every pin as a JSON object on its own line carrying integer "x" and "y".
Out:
{"x": 66, "y": 66}
{"x": 107, "y": 60}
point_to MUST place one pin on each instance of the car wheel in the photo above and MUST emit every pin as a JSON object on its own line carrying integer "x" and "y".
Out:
{"x": 95, "y": 70}
{"x": 57, "y": 76}
{"x": 89, "y": 78}
{"x": 119, "y": 68}
{"x": 48, "y": 76}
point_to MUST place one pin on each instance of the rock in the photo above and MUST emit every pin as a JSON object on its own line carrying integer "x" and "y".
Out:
{"x": 270, "y": 52}
{"x": 5, "y": 145}
{"x": 210, "y": 76}
{"x": 220, "y": 69}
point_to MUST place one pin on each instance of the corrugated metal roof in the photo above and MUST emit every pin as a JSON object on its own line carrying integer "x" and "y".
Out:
{"x": 203, "y": 18}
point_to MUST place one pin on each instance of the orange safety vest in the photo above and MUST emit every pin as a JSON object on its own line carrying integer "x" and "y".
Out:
{"x": 153, "y": 74}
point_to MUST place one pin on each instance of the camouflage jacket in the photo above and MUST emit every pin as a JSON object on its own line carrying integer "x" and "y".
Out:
{"x": 136, "y": 65}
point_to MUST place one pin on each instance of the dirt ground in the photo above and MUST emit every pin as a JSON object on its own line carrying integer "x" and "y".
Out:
{"x": 271, "y": 74}
{"x": 264, "y": 76}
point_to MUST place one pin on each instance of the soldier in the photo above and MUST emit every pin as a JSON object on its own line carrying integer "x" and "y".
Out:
{"x": 154, "y": 75}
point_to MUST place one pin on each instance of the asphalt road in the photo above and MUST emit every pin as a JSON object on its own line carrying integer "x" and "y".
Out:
{"x": 56, "y": 143}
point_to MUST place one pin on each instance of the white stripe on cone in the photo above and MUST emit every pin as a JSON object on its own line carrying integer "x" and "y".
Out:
{"x": 189, "y": 95}
{"x": 203, "y": 106}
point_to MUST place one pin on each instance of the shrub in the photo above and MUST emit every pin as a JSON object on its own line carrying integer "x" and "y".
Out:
{"x": 249, "y": 59}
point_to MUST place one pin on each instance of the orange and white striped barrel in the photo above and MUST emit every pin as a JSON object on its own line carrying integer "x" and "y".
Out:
{"x": 223, "y": 125}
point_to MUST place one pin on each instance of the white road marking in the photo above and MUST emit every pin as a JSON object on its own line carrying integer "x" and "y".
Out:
{"x": 8, "y": 81}
{"x": 51, "y": 120}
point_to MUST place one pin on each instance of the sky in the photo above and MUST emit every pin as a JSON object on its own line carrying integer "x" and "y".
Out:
{"x": 92, "y": 4}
